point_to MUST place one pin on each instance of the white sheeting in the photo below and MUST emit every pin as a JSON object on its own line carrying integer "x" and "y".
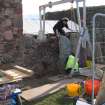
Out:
{"x": 81, "y": 103}
{"x": 33, "y": 26}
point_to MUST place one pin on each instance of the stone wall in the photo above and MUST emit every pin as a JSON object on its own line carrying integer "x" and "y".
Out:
{"x": 10, "y": 29}
{"x": 41, "y": 56}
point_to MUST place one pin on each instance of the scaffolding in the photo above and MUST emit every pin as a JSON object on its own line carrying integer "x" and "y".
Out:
{"x": 94, "y": 50}
{"x": 42, "y": 11}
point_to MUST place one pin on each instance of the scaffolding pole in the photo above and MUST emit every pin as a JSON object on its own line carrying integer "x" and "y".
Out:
{"x": 93, "y": 52}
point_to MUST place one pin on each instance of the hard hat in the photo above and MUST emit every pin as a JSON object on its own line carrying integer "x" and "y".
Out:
{"x": 65, "y": 19}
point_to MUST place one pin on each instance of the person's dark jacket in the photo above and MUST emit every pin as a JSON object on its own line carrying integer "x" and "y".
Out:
{"x": 59, "y": 26}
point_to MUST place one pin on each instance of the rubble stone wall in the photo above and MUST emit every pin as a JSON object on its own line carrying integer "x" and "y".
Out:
{"x": 10, "y": 29}
{"x": 41, "y": 57}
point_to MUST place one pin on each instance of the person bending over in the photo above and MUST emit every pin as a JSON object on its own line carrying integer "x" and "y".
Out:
{"x": 58, "y": 27}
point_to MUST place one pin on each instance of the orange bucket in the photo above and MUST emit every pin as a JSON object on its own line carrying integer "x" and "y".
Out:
{"x": 73, "y": 89}
{"x": 88, "y": 87}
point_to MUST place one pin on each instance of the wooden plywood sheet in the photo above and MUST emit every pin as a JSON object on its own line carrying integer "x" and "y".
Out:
{"x": 88, "y": 73}
{"x": 85, "y": 72}
{"x": 13, "y": 73}
{"x": 47, "y": 89}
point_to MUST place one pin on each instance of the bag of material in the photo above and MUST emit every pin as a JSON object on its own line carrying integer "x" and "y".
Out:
{"x": 64, "y": 48}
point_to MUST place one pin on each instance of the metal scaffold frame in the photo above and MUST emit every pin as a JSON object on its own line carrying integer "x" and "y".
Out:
{"x": 42, "y": 11}
{"x": 93, "y": 52}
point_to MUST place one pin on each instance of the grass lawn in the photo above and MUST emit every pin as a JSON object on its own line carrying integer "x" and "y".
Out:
{"x": 54, "y": 99}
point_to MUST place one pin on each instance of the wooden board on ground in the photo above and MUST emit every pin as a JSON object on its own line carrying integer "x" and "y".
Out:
{"x": 88, "y": 73}
{"x": 13, "y": 73}
{"x": 18, "y": 72}
{"x": 85, "y": 72}
{"x": 47, "y": 89}
{"x": 57, "y": 77}
{"x": 100, "y": 66}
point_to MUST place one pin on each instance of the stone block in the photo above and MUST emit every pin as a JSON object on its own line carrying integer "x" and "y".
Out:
{"x": 9, "y": 3}
{"x": 9, "y": 12}
{"x": 15, "y": 30}
{"x": 8, "y": 47}
{"x": 2, "y": 29}
{"x": 1, "y": 38}
{"x": 6, "y": 4}
{"x": 8, "y": 35}
{"x": 20, "y": 31}
{"x": 17, "y": 1}
{"x": 1, "y": 46}
{"x": 6, "y": 23}
{"x": 18, "y": 23}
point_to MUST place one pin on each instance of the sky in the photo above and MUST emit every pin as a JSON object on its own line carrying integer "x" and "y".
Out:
{"x": 31, "y": 7}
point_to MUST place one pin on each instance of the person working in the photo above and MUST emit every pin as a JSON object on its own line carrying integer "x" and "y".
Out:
{"x": 58, "y": 27}
{"x": 71, "y": 64}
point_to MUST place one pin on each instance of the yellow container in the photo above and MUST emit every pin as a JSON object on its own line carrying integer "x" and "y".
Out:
{"x": 74, "y": 89}
{"x": 88, "y": 63}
